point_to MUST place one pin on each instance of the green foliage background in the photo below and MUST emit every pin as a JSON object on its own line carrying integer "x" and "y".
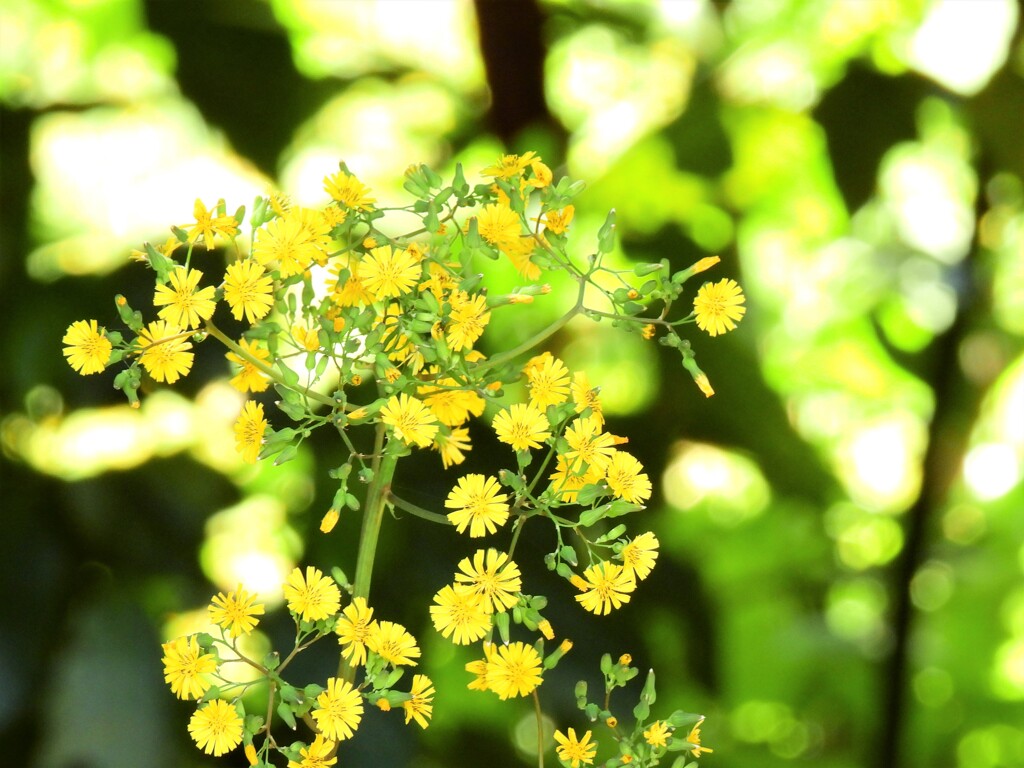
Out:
{"x": 842, "y": 524}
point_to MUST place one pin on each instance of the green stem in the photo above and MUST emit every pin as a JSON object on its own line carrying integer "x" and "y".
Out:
{"x": 373, "y": 513}
{"x": 533, "y": 341}
{"x": 412, "y": 509}
{"x": 540, "y": 730}
{"x": 219, "y": 335}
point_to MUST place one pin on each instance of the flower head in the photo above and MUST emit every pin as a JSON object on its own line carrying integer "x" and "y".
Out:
{"x": 586, "y": 396}
{"x": 216, "y": 728}
{"x": 522, "y": 425}
{"x": 694, "y": 738}
{"x": 459, "y": 613}
{"x": 605, "y": 586}
{"x": 389, "y": 273}
{"x": 186, "y": 668}
{"x": 165, "y": 355}
{"x": 348, "y": 191}
{"x": 287, "y": 242}
{"x": 626, "y": 478}
{"x": 638, "y": 556}
{"x": 548, "y": 380}
{"x": 207, "y": 225}
{"x": 249, "y": 378}
{"x": 339, "y": 710}
{"x": 477, "y": 504}
{"x": 249, "y": 431}
{"x": 719, "y": 306}
{"x": 658, "y": 734}
{"x": 393, "y": 643}
{"x": 183, "y": 305}
{"x": 354, "y": 627}
{"x": 513, "y": 670}
{"x": 412, "y": 420}
{"x": 420, "y": 706}
{"x": 467, "y": 321}
{"x": 248, "y": 290}
{"x": 453, "y": 446}
{"x": 498, "y": 225}
{"x": 509, "y": 165}
{"x": 316, "y": 755}
{"x": 236, "y": 611}
{"x": 88, "y": 349}
{"x": 492, "y": 575}
{"x": 557, "y": 222}
{"x": 575, "y": 751}
{"x": 312, "y": 597}
{"x": 588, "y": 445}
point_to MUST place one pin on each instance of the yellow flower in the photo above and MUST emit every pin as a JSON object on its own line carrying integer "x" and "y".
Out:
{"x": 542, "y": 175}
{"x": 412, "y": 421}
{"x": 520, "y": 253}
{"x": 182, "y": 304}
{"x": 316, "y": 755}
{"x": 509, "y": 165}
{"x": 514, "y": 670}
{"x": 339, "y": 710}
{"x": 216, "y": 728}
{"x": 477, "y": 504}
{"x": 249, "y": 431}
{"x": 307, "y": 338}
{"x": 547, "y": 379}
{"x": 605, "y": 586}
{"x": 586, "y": 396}
{"x": 348, "y": 191}
{"x": 498, "y": 225}
{"x": 420, "y": 706}
{"x": 207, "y": 225}
{"x": 164, "y": 354}
{"x": 557, "y": 222}
{"x": 88, "y": 349}
{"x": 719, "y": 306}
{"x": 467, "y": 321}
{"x": 694, "y": 738}
{"x": 236, "y": 611}
{"x": 658, "y": 734}
{"x": 567, "y": 483}
{"x": 638, "y": 556}
{"x": 575, "y": 751}
{"x": 492, "y": 575}
{"x": 393, "y": 643}
{"x": 451, "y": 404}
{"x": 626, "y": 479}
{"x": 329, "y": 520}
{"x": 522, "y": 425}
{"x": 247, "y": 290}
{"x": 312, "y": 597}
{"x": 286, "y": 241}
{"x": 354, "y": 627}
{"x": 588, "y": 445}
{"x": 388, "y": 273}
{"x": 453, "y": 446}
{"x": 460, "y": 614}
{"x": 704, "y": 384}
{"x": 249, "y": 378}
{"x": 353, "y": 292}
{"x": 186, "y": 669}
{"x": 479, "y": 669}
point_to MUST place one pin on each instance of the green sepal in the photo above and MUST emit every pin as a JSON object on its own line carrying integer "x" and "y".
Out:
{"x": 284, "y": 711}
{"x": 580, "y": 692}
{"x": 292, "y": 411}
{"x": 287, "y": 454}
{"x": 591, "y": 711}
{"x": 647, "y": 268}
{"x": 606, "y": 664}
{"x": 511, "y": 480}
{"x": 680, "y": 719}
{"x": 272, "y": 660}
{"x": 291, "y": 378}
{"x": 129, "y": 316}
{"x": 649, "y": 694}
{"x": 459, "y": 183}
{"x": 642, "y": 711}
{"x": 587, "y": 495}
{"x": 501, "y": 621}
{"x": 568, "y": 554}
{"x": 606, "y": 235}
{"x": 253, "y": 724}
{"x": 291, "y": 694}
{"x": 614, "y": 533}
{"x": 160, "y": 263}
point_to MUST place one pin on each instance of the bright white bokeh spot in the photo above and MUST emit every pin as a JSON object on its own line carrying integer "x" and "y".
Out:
{"x": 991, "y": 470}
{"x": 731, "y": 486}
{"x": 962, "y": 43}
{"x": 880, "y": 462}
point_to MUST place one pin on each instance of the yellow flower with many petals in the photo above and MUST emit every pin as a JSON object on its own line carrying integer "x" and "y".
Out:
{"x": 588, "y": 445}
{"x": 658, "y": 734}
{"x": 460, "y": 614}
{"x": 467, "y": 321}
{"x": 249, "y": 431}
{"x": 492, "y": 575}
{"x": 498, "y": 225}
{"x": 216, "y": 728}
{"x": 411, "y": 420}
{"x": 626, "y": 478}
{"x": 165, "y": 353}
{"x": 522, "y": 425}
{"x": 393, "y": 643}
{"x": 88, "y": 349}
{"x": 354, "y": 627}
{"x": 208, "y": 225}
{"x": 339, "y": 710}
{"x": 248, "y": 290}
{"x": 719, "y": 306}
{"x": 477, "y": 504}
{"x": 513, "y": 670}
{"x": 586, "y": 396}
{"x": 182, "y": 304}
{"x": 547, "y": 379}
{"x": 389, "y": 273}
{"x": 509, "y": 165}
{"x": 694, "y": 738}
{"x": 236, "y": 611}
{"x": 311, "y": 597}
{"x": 575, "y": 751}
{"x": 249, "y": 378}
{"x": 605, "y": 586}
{"x": 349, "y": 191}
{"x": 558, "y": 221}
{"x": 186, "y": 668}
{"x": 420, "y": 707}
{"x": 639, "y": 555}
{"x": 316, "y": 755}
{"x": 452, "y": 446}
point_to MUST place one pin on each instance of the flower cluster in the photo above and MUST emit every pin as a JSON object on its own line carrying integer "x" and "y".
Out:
{"x": 343, "y": 325}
